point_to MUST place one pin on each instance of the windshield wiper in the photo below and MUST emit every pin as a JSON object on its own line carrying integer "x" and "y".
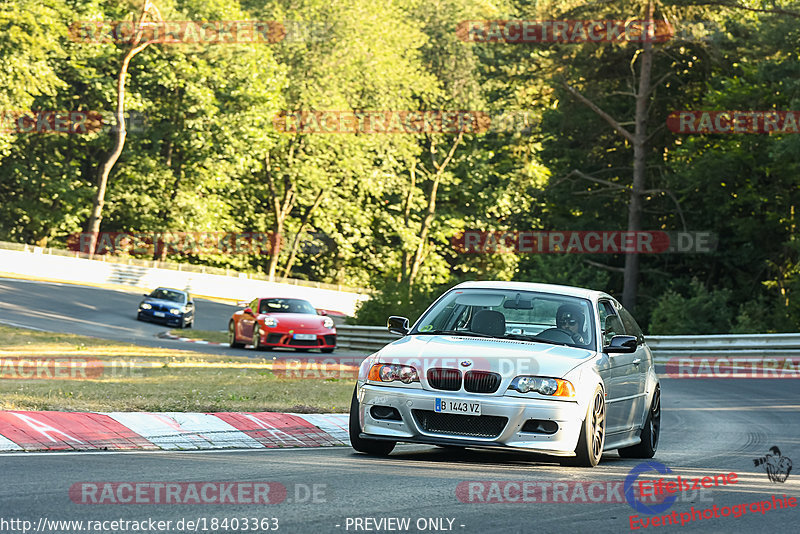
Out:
{"x": 457, "y": 333}
{"x": 523, "y": 337}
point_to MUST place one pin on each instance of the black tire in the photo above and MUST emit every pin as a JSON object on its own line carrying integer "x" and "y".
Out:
{"x": 589, "y": 449}
{"x": 232, "y": 338}
{"x": 650, "y": 433}
{"x": 369, "y": 446}
{"x": 327, "y": 351}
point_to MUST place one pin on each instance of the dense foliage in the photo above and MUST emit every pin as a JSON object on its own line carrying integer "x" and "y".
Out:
{"x": 382, "y": 210}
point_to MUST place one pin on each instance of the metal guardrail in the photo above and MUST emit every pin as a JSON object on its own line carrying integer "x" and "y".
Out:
{"x": 366, "y": 338}
{"x": 172, "y": 266}
{"x": 373, "y": 338}
{"x": 725, "y": 346}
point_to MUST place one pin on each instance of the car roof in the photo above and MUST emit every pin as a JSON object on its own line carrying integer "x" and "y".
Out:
{"x": 553, "y": 289}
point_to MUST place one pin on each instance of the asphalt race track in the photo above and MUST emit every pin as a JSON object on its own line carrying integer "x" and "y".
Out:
{"x": 104, "y": 313}
{"x": 710, "y": 427}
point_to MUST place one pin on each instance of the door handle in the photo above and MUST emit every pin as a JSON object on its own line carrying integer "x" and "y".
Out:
{"x": 637, "y": 361}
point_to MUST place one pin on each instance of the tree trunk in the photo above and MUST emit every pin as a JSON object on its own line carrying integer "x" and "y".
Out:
{"x": 639, "y": 140}
{"x": 159, "y": 248}
{"x": 405, "y": 259}
{"x": 430, "y": 214}
{"x": 281, "y": 209}
{"x": 93, "y": 226}
{"x": 303, "y": 223}
{"x": 630, "y": 289}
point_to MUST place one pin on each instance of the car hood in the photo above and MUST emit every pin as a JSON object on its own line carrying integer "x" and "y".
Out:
{"x": 161, "y": 302}
{"x": 508, "y": 357}
{"x": 296, "y": 320}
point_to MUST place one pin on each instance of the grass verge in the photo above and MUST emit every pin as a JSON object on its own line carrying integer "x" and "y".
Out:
{"x": 126, "y": 377}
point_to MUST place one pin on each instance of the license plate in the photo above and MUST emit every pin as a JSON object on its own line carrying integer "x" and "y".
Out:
{"x": 462, "y": 407}
{"x": 305, "y": 337}
{"x": 159, "y": 314}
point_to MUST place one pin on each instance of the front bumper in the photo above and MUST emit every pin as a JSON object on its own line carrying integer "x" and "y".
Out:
{"x": 164, "y": 317}
{"x": 325, "y": 340}
{"x": 419, "y": 426}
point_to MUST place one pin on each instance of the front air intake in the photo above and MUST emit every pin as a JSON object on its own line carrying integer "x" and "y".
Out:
{"x": 444, "y": 379}
{"x": 481, "y": 382}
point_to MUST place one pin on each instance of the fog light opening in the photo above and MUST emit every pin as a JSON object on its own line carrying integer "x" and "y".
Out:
{"x": 386, "y": 413}
{"x": 540, "y": 426}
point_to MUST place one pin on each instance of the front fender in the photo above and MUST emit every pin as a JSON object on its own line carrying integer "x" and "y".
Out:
{"x": 585, "y": 378}
{"x": 651, "y": 384}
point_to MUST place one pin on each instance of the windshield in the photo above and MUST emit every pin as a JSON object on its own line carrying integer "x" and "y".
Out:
{"x": 523, "y": 315}
{"x": 286, "y": 306}
{"x": 168, "y": 294}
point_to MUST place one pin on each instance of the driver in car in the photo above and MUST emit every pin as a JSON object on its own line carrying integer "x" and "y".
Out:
{"x": 570, "y": 319}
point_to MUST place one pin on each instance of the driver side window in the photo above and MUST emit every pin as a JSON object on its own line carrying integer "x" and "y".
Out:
{"x": 609, "y": 322}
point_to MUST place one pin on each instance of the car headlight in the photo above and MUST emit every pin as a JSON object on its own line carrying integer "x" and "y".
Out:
{"x": 271, "y": 321}
{"x": 174, "y": 311}
{"x": 554, "y": 387}
{"x": 389, "y": 372}
{"x": 327, "y": 322}
{"x": 145, "y": 306}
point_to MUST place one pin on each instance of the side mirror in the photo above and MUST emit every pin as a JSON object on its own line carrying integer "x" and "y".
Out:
{"x": 248, "y": 311}
{"x": 621, "y": 345}
{"x": 145, "y": 294}
{"x": 322, "y": 312}
{"x": 398, "y": 325}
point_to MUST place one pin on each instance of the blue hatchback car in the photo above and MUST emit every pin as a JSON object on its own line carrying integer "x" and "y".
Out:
{"x": 168, "y": 306}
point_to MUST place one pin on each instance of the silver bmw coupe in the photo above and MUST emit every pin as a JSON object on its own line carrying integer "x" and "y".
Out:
{"x": 549, "y": 369}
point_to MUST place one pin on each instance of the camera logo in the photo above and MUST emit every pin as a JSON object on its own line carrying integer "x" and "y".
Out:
{"x": 778, "y": 467}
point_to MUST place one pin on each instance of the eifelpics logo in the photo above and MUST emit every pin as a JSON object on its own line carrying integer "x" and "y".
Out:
{"x": 630, "y": 486}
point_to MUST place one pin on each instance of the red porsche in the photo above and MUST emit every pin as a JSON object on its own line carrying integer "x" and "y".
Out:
{"x": 267, "y": 323}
